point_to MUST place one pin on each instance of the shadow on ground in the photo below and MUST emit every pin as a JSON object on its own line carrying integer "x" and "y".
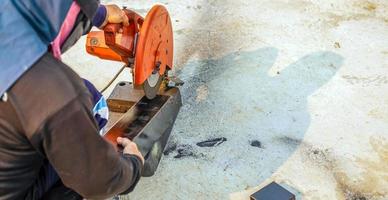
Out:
{"x": 263, "y": 117}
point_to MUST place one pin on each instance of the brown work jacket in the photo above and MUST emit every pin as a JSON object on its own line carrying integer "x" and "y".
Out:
{"x": 47, "y": 116}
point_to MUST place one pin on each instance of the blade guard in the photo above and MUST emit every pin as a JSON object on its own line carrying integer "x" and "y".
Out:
{"x": 154, "y": 45}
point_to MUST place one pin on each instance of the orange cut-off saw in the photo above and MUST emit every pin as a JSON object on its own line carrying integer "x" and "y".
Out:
{"x": 146, "y": 46}
{"x": 145, "y": 109}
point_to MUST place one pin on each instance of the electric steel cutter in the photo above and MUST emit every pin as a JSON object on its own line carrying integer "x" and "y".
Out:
{"x": 144, "y": 109}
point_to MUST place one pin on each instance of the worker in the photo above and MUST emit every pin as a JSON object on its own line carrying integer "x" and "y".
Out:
{"x": 49, "y": 142}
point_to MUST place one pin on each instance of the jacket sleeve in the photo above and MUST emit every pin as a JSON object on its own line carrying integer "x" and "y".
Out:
{"x": 45, "y": 17}
{"x": 84, "y": 161}
{"x": 89, "y": 7}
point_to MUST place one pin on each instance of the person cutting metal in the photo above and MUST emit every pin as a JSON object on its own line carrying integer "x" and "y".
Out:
{"x": 49, "y": 142}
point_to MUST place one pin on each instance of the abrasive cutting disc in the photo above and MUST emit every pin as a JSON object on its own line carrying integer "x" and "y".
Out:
{"x": 154, "y": 50}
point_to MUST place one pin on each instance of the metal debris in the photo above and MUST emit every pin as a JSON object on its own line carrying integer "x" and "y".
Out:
{"x": 212, "y": 142}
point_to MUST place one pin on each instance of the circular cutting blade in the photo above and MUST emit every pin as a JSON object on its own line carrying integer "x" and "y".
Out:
{"x": 154, "y": 50}
{"x": 152, "y": 84}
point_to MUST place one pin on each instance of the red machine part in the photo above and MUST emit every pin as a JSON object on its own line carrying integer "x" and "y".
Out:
{"x": 154, "y": 45}
{"x": 95, "y": 45}
{"x": 116, "y": 42}
{"x": 149, "y": 41}
{"x": 121, "y": 39}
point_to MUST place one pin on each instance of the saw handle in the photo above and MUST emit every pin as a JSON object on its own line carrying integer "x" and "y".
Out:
{"x": 120, "y": 44}
{"x": 121, "y": 38}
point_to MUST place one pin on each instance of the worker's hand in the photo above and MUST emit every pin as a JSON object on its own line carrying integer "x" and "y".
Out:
{"x": 115, "y": 15}
{"x": 130, "y": 147}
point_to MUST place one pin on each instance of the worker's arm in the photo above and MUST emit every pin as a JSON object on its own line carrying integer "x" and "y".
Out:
{"x": 89, "y": 7}
{"x": 100, "y": 15}
{"x": 109, "y": 14}
{"x": 84, "y": 161}
{"x": 92, "y": 14}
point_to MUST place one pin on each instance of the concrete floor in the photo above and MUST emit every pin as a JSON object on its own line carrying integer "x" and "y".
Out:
{"x": 308, "y": 79}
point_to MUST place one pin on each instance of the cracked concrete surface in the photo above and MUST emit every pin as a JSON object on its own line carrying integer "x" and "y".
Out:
{"x": 308, "y": 79}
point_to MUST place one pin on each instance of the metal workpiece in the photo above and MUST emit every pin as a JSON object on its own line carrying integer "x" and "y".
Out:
{"x": 147, "y": 122}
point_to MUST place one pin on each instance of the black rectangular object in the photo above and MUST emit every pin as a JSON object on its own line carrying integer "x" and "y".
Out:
{"x": 273, "y": 191}
{"x": 147, "y": 122}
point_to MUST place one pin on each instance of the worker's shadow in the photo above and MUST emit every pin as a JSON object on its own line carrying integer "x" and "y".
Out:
{"x": 236, "y": 98}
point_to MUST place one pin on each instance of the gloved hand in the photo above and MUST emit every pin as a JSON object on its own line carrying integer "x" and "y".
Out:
{"x": 115, "y": 14}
